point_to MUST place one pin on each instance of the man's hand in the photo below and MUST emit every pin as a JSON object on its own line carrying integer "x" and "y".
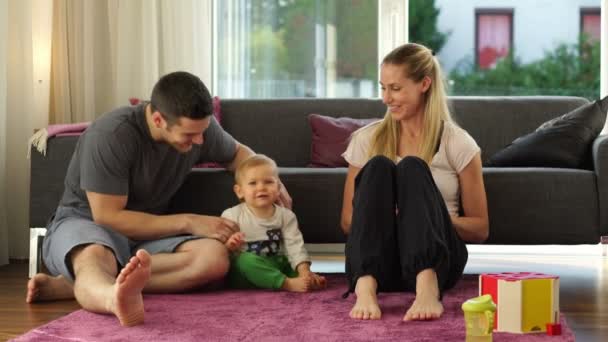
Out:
{"x": 212, "y": 226}
{"x": 284, "y": 198}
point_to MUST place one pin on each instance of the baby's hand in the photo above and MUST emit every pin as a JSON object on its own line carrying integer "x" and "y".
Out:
{"x": 235, "y": 241}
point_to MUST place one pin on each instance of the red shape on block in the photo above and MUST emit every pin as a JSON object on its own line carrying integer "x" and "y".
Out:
{"x": 554, "y": 329}
{"x": 489, "y": 285}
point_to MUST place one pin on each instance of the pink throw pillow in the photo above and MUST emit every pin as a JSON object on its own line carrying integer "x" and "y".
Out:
{"x": 330, "y": 137}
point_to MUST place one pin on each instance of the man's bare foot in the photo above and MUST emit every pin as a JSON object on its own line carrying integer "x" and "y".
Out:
{"x": 317, "y": 282}
{"x": 366, "y": 306}
{"x": 128, "y": 304}
{"x": 298, "y": 284}
{"x": 235, "y": 241}
{"x": 43, "y": 287}
{"x": 426, "y": 306}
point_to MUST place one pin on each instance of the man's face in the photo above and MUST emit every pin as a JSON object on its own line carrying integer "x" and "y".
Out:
{"x": 186, "y": 132}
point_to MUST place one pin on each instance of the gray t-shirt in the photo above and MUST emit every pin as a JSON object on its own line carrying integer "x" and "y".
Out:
{"x": 116, "y": 155}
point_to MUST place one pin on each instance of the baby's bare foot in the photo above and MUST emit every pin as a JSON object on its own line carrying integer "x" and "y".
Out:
{"x": 317, "y": 282}
{"x": 128, "y": 303}
{"x": 366, "y": 306}
{"x": 43, "y": 287}
{"x": 298, "y": 284}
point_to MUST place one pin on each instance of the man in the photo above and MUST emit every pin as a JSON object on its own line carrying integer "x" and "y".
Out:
{"x": 126, "y": 167}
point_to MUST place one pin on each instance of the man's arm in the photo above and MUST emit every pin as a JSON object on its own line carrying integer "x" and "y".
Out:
{"x": 109, "y": 210}
{"x": 242, "y": 152}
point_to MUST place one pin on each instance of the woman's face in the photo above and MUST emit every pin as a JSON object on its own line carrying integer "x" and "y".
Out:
{"x": 403, "y": 96}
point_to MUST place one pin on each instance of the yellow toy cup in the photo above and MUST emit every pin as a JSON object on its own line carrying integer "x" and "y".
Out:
{"x": 479, "y": 318}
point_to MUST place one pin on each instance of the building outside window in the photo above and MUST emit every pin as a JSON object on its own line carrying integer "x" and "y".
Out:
{"x": 518, "y": 47}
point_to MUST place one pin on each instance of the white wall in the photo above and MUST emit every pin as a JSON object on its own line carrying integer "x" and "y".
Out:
{"x": 3, "y": 150}
{"x": 538, "y": 25}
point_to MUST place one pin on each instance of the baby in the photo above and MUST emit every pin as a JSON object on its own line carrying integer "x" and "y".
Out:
{"x": 269, "y": 250}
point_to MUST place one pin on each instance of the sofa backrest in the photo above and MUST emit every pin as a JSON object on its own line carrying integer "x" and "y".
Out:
{"x": 280, "y": 129}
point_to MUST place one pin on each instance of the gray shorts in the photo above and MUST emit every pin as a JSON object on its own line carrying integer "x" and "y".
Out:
{"x": 72, "y": 228}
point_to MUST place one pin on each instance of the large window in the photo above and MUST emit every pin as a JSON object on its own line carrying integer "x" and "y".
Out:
{"x": 493, "y": 33}
{"x": 296, "y": 48}
{"x": 331, "y": 48}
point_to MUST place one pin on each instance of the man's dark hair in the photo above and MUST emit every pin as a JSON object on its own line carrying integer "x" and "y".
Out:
{"x": 181, "y": 94}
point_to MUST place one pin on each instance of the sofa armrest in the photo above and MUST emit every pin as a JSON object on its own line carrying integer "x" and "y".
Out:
{"x": 600, "y": 166}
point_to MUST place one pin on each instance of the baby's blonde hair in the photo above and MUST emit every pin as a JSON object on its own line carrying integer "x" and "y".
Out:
{"x": 254, "y": 161}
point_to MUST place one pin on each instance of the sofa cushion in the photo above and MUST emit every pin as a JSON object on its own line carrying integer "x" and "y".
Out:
{"x": 563, "y": 142}
{"x": 330, "y": 137}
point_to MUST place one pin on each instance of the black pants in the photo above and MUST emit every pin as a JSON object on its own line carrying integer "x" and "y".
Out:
{"x": 395, "y": 245}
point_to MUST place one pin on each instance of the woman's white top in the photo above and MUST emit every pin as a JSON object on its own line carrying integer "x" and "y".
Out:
{"x": 456, "y": 150}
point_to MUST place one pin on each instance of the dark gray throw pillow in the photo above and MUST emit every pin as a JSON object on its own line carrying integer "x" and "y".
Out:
{"x": 563, "y": 142}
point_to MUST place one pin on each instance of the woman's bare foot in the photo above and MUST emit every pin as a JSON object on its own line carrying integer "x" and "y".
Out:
{"x": 298, "y": 284}
{"x": 366, "y": 306}
{"x": 426, "y": 306}
{"x": 43, "y": 287}
{"x": 128, "y": 304}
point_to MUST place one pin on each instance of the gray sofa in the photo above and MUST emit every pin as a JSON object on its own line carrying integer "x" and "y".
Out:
{"x": 526, "y": 205}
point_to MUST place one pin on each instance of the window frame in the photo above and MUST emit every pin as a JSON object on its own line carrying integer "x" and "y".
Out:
{"x": 588, "y": 11}
{"x": 492, "y": 11}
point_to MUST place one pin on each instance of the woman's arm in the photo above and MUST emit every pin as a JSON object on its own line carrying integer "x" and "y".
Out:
{"x": 474, "y": 225}
{"x": 347, "y": 201}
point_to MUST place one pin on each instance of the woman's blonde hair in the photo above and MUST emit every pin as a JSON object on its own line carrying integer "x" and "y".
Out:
{"x": 418, "y": 62}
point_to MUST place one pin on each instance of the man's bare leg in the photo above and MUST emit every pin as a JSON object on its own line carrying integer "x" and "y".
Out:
{"x": 43, "y": 287}
{"x": 366, "y": 306}
{"x": 426, "y": 306}
{"x": 194, "y": 264}
{"x": 97, "y": 288}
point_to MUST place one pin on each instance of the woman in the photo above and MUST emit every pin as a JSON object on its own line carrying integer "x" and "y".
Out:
{"x": 408, "y": 175}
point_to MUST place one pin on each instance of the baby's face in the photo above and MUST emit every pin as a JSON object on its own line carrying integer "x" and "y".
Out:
{"x": 259, "y": 186}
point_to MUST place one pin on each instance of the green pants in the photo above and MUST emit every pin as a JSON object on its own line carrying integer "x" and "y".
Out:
{"x": 249, "y": 270}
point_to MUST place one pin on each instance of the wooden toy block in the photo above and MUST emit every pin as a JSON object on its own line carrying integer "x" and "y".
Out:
{"x": 526, "y": 302}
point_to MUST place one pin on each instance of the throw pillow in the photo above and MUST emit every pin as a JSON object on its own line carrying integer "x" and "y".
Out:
{"x": 330, "y": 137}
{"x": 563, "y": 142}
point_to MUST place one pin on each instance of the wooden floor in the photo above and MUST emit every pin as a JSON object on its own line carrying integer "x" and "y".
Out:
{"x": 583, "y": 275}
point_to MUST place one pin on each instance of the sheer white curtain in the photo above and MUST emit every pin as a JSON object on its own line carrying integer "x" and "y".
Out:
{"x": 27, "y": 86}
{"x": 3, "y": 131}
{"x": 106, "y": 52}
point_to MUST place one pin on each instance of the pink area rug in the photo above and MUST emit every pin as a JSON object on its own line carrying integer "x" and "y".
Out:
{"x": 230, "y": 315}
